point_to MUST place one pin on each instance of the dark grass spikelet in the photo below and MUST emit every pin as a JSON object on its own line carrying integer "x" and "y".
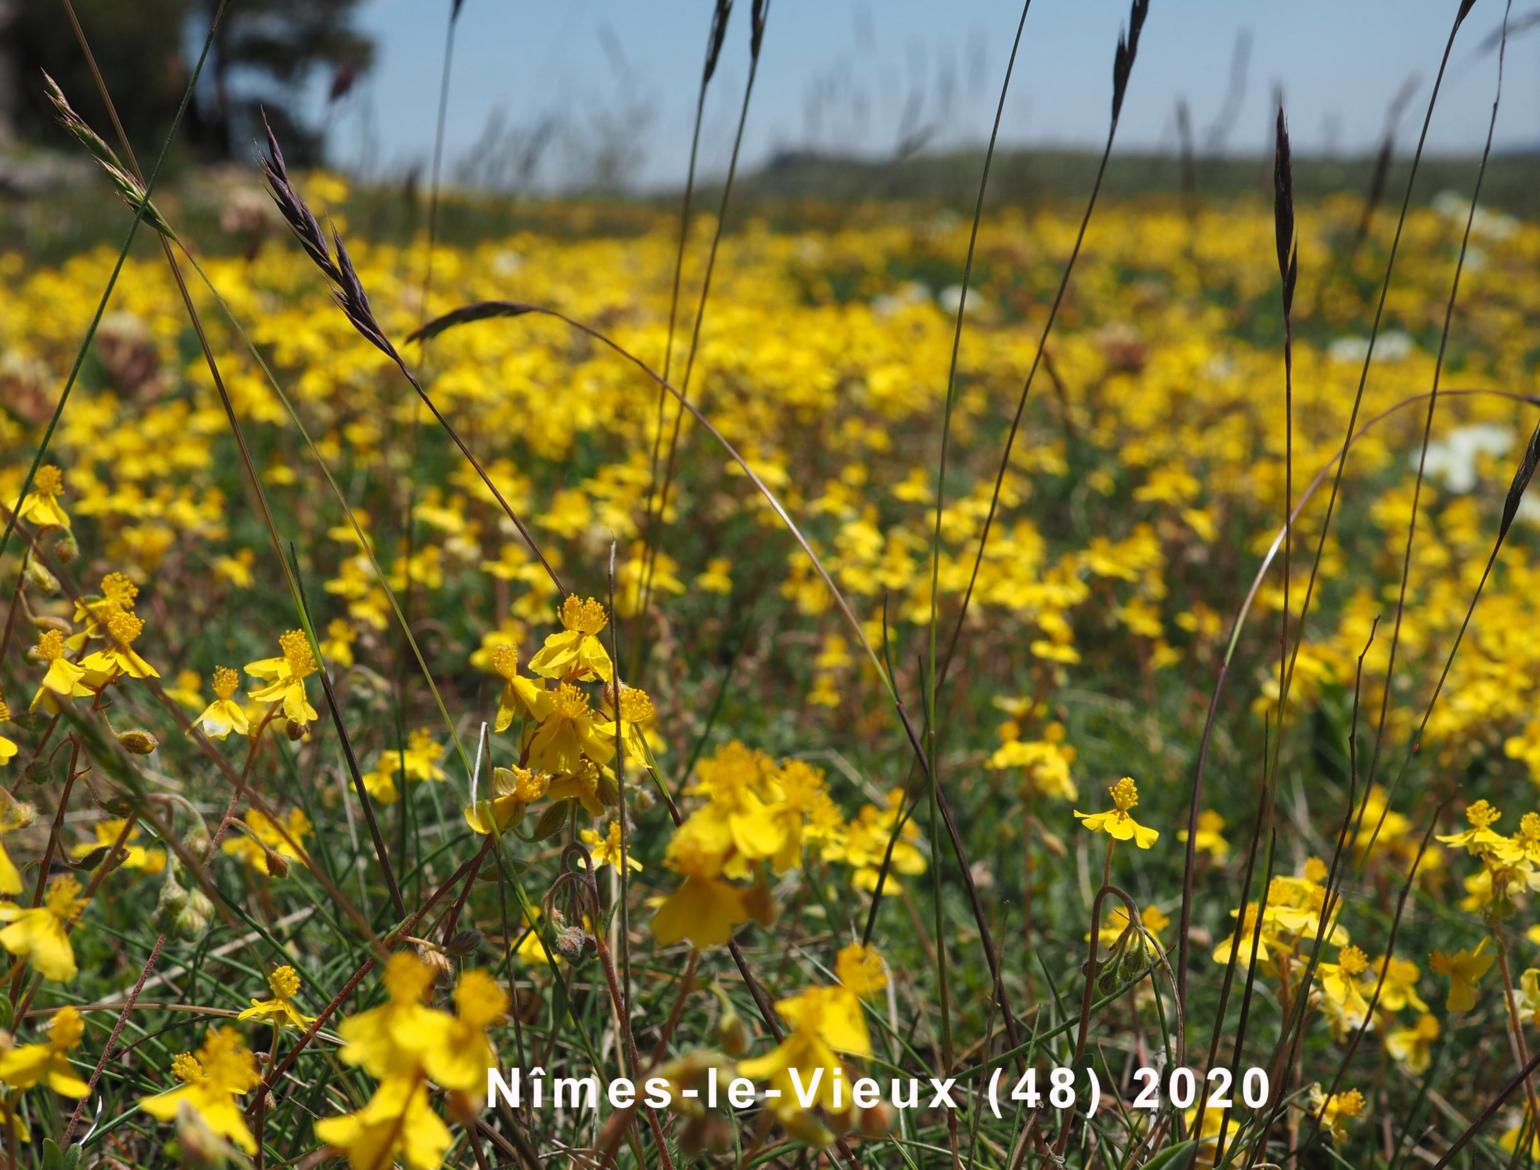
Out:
{"x": 1283, "y": 212}
{"x": 1521, "y": 477}
{"x": 757, "y": 17}
{"x": 716, "y": 38}
{"x": 475, "y": 311}
{"x": 296, "y": 214}
{"x": 346, "y": 287}
{"x": 355, "y": 302}
{"x": 1128, "y": 48}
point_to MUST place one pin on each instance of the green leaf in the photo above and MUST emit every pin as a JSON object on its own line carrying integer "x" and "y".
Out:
{"x": 1172, "y": 1157}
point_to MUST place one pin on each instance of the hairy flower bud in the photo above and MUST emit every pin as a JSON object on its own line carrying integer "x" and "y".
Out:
{"x": 191, "y": 923}
{"x": 197, "y": 841}
{"x": 40, "y": 580}
{"x": 573, "y": 943}
{"x": 66, "y": 548}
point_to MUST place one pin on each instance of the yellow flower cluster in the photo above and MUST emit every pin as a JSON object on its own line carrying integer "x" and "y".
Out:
{"x": 757, "y": 818}
{"x": 404, "y": 1044}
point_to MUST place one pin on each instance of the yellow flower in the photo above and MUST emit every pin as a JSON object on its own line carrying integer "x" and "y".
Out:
{"x": 1529, "y": 994}
{"x": 264, "y": 837}
{"x": 118, "y": 656}
{"x": 859, "y": 969}
{"x": 1116, "y": 822}
{"x": 1342, "y": 995}
{"x": 41, "y": 934}
{"x": 576, "y": 652}
{"x": 135, "y": 856}
{"x": 237, "y": 569}
{"x": 1398, "y": 991}
{"x": 531, "y": 949}
{"x": 1335, "y": 1110}
{"x": 863, "y": 845}
{"x": 13, "y": 815}
{"x": 397, "y": 1124}
{"x": 606, "y": 850}
{"x": 520, "y": 696}
{"x": 1413, "y": 1046}
{"x": 805, "y": 1050}
{"x": 1464, "y": 969}
{"x": 567, "y": 733}
{"x": 41, "y": 505}
{"x": 417, "y": 762}
{"x": 222, "y": 1070}
{"x": 1480, "y": 838}
{"x": 1210, "y": 839}
{"x": 392, "y": 1038}
{"x": 461, "y": 1054}
{"x": 224, "y": 714}
{"x": 48, "y": 1063}
{"x": 705, "y": 909}
{"x": 513, "y": 791}
{"x": 1525, "y": 1128}
{"x": 285, "y": 677}
{"x": 338, "y": 644}
{"x": 283, "y": 982}
{"x": 1045, "y": 764}
{"x": 8, "y": 751}
{"x": 63, "y": 679}
{"x": 824, "y": 1021}
{"x": 717, "y": 578}
{"x": 1215, "y": 1119}
{"x": 1240, "y": 943}
{"x": 636, "y": 712}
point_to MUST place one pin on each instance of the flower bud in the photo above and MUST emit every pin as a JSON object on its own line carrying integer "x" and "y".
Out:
{"x": 573, "y": 943}
{"x": 876, "y": 1121}
{"x": 435, "y": 958}
{"x": 172, "y": 901}
{"x": 15, "y": 814}
{"x": 40, "y": 580}
{"x": 296, "y": 731}
{"x": 191, "y": 923}
{"x": 66, "y": 548}
{"x": 138, "y": 741}
{"x": 733, "y": 1034}
{"x": 197, "y": 841}
{"x": 709, "y": 1131}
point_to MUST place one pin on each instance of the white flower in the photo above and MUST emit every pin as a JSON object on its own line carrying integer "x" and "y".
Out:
{"x": 1454, "y": 457}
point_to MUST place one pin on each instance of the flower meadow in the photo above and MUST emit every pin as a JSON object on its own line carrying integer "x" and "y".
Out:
{"x": 1080, "y": 653}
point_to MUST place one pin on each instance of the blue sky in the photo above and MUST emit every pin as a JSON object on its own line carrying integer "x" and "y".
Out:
{"x": 840, "y": 74}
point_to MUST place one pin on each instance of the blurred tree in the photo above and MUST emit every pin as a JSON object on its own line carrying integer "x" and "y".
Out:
{"x": 138, "y": 47}
{"x": 264, "y": 52}
{"x": 263, "y": 55}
